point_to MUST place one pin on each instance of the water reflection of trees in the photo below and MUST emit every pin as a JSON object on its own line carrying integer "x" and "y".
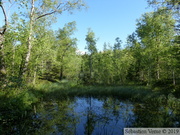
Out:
{"x": 114, "y": 115}
{"x": 96, "y": 116}
{"x": 56, "y": 117}
{"x": 50, "y": 117}
{"x": 109, "y": 117}
{"x": 91, "y": 118}
{"x": 157, "y": 113}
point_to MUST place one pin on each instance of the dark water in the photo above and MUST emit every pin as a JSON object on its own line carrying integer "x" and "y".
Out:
{"x": 97, "y": 116}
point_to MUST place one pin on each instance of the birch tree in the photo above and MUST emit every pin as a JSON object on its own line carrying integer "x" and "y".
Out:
{"x": 39, "y": 9}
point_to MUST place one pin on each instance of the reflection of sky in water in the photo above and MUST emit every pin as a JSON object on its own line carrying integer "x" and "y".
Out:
{"x": 101, "y": 116}
{"x": 105, "y": 116}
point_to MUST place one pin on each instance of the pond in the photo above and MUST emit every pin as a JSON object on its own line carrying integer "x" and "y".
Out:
{"x": 89, "y": 115}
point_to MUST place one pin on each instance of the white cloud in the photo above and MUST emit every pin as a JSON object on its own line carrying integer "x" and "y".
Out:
{"x": 80, "y": 52}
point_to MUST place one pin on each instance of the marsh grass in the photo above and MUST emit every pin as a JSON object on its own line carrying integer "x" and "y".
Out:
{"x": 64, "y": 90}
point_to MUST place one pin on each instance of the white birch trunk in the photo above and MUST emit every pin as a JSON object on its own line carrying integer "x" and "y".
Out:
{"x": 29, "y": 44}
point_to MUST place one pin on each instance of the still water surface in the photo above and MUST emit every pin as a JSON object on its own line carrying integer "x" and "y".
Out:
{"x": 85, "y": 116}
{"x": 97, "y": 116}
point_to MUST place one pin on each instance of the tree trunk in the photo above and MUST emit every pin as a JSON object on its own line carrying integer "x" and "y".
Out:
{"x": 62, "y": 67}
{"x": 61, "y": 73}
{"x": 90, "y": 66}
{"x": 2, "y": 61}
{"x": 174, "y": 80}
{"x": 28, "y": 54}
{"x": 13, "y": 60}
{"x": 158, "y": 68}
{"x": 35, "y": 75}
{"x": 29, "y": 44}
{"x": 2, "y": 55}
{"x": 149, "y": 76}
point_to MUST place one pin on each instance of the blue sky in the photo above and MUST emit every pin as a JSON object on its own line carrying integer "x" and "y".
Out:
{"x": 107, "y": 18}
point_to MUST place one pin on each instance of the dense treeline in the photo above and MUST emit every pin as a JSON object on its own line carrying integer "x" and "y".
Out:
{"x": 31, "y": 50}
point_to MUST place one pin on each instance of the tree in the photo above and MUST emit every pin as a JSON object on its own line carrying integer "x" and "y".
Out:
{"x": 42, "y": 53}
{"x": 156, "y": 32}
{"x": 173, "y": 5}
{"x": 37, "y": 10}
{"x": 136, "y": 70}
{"x": 2, "y": 33}
{"x": 91, "y": 46}
{"x": 65, "y": 45}
{"x": 117, "y": 57}
{"x": 117, "y": 45}
{"x": 174, "y": 59}
{"x": 91, "y": 42}
{"x": 170, "y": 4}
{"x": 103, "y": 67}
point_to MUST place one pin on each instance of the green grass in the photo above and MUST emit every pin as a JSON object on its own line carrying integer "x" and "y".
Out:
{"x": 64, "y": 90}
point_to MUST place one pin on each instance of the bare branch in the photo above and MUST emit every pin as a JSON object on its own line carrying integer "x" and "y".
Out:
{"x": 50, "y": 13}
{"x": 5, "y": 19}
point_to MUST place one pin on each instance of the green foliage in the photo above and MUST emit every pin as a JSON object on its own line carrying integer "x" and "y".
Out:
{"x": 91, "y": 41}
{"x": 156, "y": 41}
{"x": 15, "y": 103}
{"x": 151, "y": 55}
{"x": 169, "y": 4}
{"x": 66, "y": 61}
{"x": 117, "y": 45}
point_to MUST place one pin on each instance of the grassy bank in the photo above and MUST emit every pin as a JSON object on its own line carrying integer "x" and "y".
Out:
{"x": 49, "y": 90}
{"x": 15, "y": 103}
{"x": 56, "y": 91}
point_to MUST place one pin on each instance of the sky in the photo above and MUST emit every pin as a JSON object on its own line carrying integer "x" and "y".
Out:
{"x": 108, "y": 19}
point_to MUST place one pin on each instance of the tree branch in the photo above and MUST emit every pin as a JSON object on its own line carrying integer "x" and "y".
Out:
{"x": 5, "y": 19}
{"x": 46, "y": 14}
{"x": 50, "y": 13}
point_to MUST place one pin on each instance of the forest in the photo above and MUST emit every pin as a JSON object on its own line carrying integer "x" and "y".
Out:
{"x": 33, "y": 55}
